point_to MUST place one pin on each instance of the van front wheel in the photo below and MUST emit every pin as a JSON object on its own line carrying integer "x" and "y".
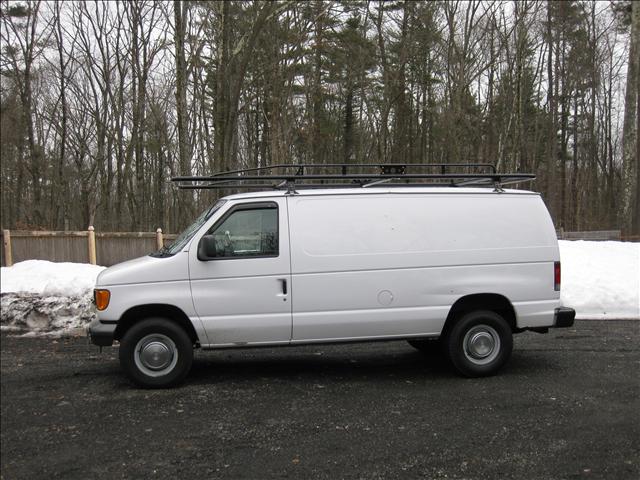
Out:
{"x": 479, "y": 343}
{"x": 156, "y": 353}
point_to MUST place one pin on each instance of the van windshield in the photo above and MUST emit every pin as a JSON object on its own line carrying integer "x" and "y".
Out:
{"x": 182, "y": 239}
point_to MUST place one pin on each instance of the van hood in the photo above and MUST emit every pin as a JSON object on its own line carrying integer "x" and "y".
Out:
{"x": 146, "y": 269}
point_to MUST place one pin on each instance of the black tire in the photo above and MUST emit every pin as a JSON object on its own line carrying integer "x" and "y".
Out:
{"x": 479, "y": 343}
{"x": 156, "y": 353}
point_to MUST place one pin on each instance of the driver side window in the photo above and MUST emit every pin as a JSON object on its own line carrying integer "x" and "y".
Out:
{"x": 247, "y": 232}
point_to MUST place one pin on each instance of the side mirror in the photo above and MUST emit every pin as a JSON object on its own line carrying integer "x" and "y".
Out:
{"x": 207, "y": 248}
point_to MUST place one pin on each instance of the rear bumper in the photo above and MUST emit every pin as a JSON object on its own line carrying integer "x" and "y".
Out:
{"x": 563, "y": 317}
{"x": 101, "y": 334}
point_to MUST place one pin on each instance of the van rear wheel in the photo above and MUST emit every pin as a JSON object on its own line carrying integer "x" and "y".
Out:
{"x": 479, "y": 343}
{"x": 156, "y": 353}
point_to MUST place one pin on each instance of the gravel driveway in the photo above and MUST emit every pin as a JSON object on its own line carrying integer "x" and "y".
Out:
{"x": 567, "y": 405}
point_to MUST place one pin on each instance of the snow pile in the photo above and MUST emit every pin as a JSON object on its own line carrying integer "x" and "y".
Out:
{"x": 601, "y": 280}
{"x": 49, "y": 278}
{"x": 46, "y": 315}
{"x": 47, "y": 298}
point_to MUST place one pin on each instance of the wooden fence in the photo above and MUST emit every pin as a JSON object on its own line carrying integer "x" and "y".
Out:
{"x": 592, "y": 235}
{"x": 109, "y": 248}
{"x": 102, "y": 248}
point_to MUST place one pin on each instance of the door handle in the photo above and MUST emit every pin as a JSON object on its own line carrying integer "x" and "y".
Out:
{"x": 284, "y": 286}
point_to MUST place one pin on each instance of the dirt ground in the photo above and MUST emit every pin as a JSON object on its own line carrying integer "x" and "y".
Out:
{"x": 567, "y": 405}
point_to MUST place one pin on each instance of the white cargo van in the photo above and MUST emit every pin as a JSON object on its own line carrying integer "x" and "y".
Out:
{"x": 459, "y": 267}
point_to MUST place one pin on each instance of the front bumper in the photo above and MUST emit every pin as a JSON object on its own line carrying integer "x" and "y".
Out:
{"x": 563, "y": 317}
{"x": 101, "y": 334}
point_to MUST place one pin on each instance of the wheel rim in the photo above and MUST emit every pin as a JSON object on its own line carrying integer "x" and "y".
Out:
{"x": 156, "y": 355}
{"x": 481, "y": 344}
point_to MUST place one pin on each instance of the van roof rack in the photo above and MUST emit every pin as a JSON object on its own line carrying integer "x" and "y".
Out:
{"x": 290, "y": 176}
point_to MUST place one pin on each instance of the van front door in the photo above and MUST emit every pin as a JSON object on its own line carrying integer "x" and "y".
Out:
{"x": 240, "y": 279}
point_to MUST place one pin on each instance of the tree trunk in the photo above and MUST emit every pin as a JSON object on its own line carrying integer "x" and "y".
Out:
{"x": 59, "y": 198}
{"x": 631, "y": 167}
{"x": 184, "y": 147}
{"x": 551, "y": 139}
{"x": 574, "y": 168}
{"x": 317, "y": 96}
{"x": 184, "y": 153}
{"x": 348, "y": 123}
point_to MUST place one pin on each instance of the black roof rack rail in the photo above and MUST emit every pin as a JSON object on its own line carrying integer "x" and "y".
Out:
{"x": 343, "y": 175}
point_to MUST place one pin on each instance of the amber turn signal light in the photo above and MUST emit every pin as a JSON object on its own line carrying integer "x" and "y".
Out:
{"x": 101, "y": 298}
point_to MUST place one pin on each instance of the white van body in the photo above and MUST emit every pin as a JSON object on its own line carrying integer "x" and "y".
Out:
{"x": 351, "y": 265}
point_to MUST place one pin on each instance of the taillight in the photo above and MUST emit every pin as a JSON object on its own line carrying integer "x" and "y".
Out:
{"x": 556, "y": 276}
{"x": 101, "y": 297}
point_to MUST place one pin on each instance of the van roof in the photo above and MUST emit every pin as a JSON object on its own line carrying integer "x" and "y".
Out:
{"x": 379, "y": 190}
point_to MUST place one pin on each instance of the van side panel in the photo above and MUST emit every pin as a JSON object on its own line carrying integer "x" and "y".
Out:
{"x": 175, "y": 293}
{"x": 392, "y": 265}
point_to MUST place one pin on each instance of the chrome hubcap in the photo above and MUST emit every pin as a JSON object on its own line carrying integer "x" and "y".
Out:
{"x": 156, "y": 355}
{"x": 481, "y": 344}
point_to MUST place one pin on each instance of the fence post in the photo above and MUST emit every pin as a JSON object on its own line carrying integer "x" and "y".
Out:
{"x": 159, "y": 239}
{"x": 6, "y": 236}
{"x": 92, "y": 245}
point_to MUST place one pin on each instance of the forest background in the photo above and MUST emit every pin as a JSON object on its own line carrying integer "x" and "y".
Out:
{"x": 102, "y": 102}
